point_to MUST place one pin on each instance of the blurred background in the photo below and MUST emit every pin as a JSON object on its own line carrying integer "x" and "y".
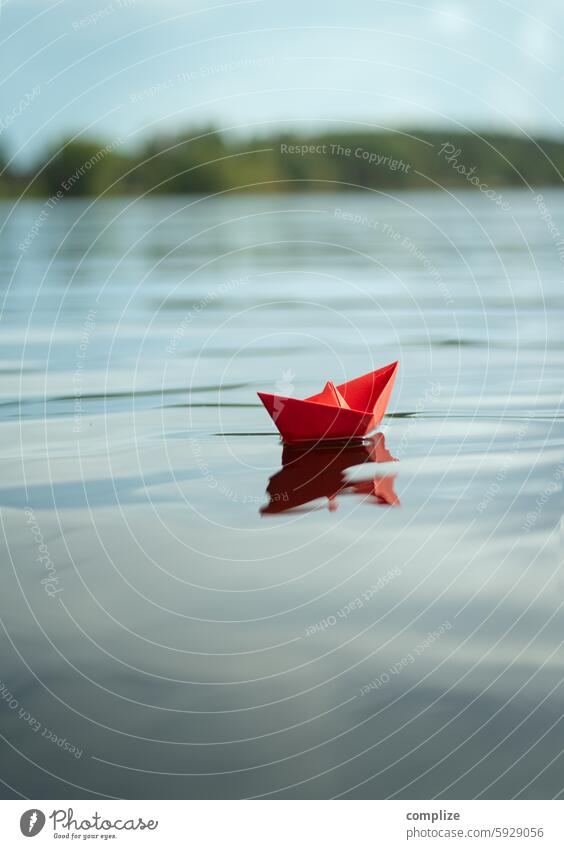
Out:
{"x": 140, "y": 76}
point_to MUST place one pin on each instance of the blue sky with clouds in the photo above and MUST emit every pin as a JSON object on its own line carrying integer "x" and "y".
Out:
{"x": 131, "y": 67}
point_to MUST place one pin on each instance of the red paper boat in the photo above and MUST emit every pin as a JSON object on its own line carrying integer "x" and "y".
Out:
{"x": 348, "y": 411}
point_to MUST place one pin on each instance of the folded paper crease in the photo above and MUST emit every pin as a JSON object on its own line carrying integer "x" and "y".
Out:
{"x": 347, "y": 411}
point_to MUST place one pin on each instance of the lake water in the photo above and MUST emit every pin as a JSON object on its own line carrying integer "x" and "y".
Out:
{"x": 379, "y": 627}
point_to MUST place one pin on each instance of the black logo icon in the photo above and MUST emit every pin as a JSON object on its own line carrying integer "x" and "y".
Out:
{"x": 31, "y": 822}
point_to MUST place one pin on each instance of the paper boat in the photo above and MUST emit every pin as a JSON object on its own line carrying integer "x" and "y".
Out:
{"x": 348, "y": 411}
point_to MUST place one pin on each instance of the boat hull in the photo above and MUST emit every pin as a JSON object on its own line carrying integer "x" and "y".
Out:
{"x": 309, "y": 420}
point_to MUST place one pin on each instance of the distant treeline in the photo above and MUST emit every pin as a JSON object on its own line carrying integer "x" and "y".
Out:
{"x": 209, "y": 161}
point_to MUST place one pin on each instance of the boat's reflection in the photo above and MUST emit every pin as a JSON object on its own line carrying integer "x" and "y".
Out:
{"x": 312, "y": 472}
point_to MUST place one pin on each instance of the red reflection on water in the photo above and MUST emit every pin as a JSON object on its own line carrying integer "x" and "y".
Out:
{"x": 312, "y": 472}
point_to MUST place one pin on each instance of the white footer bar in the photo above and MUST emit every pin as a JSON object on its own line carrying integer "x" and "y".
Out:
{"x": 282, "y": 824}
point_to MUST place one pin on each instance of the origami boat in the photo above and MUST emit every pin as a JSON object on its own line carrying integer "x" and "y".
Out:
{"x": 348, "y": 411}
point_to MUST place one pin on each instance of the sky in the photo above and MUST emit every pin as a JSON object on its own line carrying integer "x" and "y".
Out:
{"x": 127, "y": 69}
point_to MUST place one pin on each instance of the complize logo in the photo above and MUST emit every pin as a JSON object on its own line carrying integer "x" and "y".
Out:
{"x": 31, "y": 822}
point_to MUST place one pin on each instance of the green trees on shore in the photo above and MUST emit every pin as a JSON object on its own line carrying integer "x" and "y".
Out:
{"x": 207, "y": 161}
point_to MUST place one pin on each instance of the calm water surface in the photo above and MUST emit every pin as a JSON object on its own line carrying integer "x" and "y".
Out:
{"x": 387, "y": 621}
